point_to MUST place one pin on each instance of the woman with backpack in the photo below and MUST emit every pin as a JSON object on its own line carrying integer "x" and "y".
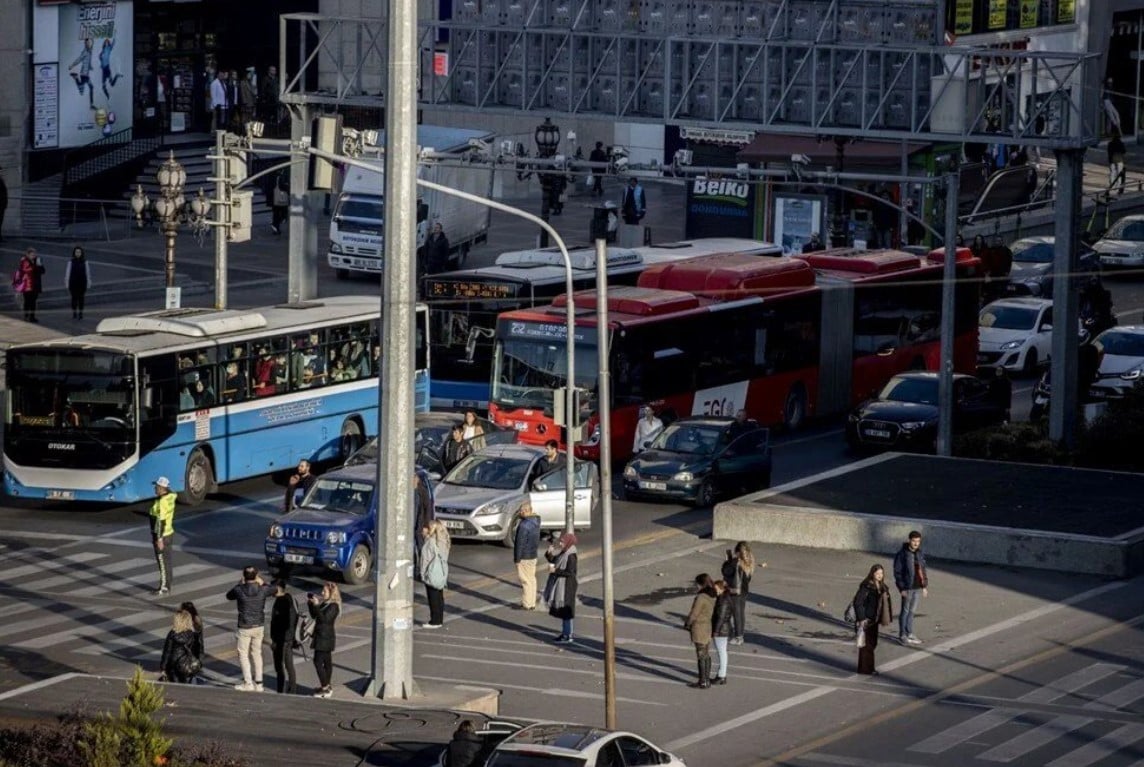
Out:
{"x": 324, "y": 609}
{"x": 182, "y": 651}
{"x": 28, "y": 281}
{"x": 435, "y": 570}
{"x": 283, "y": 625}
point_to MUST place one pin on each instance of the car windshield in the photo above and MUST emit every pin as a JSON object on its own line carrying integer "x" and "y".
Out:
{"x": 490, "y": 471}
{"x": 920, "y": 390}
{"x": 1120, "y": 343}
{"x": 1033, "y": 252}
{"x": 1126, "y": 229}
{"x": 688, "y": 439}
{"x": 1007, "y": 317}
{"x": 533, "y": 758}
{"x": 345, "y": 496}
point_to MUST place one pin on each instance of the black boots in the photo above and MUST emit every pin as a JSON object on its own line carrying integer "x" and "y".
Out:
{"x": 704, "y": 681}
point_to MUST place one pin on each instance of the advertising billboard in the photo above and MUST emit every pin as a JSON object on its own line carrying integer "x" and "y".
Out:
{"x": 720, "y": 208}
{"x": 797, "y": 217}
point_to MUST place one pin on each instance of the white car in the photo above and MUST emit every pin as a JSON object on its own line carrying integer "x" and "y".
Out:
{"x": 1123, "y": 243}
{"x": 1015, "y": 333}
{"x": 1121, "y": 361}
{"x": 559, "y": 744}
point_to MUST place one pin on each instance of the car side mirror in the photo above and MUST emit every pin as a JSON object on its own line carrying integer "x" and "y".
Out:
{"x": 539, "y": 486}
{"x": 665, "y": 758}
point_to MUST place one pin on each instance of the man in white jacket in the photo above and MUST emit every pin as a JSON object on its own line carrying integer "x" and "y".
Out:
{"x": 647, "y": 428}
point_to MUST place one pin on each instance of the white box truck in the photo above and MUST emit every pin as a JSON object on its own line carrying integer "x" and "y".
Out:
{"x": 359, "y": 218}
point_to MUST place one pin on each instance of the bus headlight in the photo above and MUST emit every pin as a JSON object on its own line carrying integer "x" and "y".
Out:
{"x": 276, "y": 532}
{"x": 489, "y": 509}
{"x": 683, "y": 476}
{"x": 334, "y": 537}
{"x": 630, "y": 472}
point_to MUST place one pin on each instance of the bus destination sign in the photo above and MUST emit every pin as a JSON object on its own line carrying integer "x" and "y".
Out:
{"x": 479, "y": 290}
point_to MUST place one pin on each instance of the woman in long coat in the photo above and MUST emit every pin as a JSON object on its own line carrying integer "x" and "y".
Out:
{"x": 560, "y": 592}
{"x": 871, "y": 610}
{"x": 324, "y": 610}
{"x": 699, "y": 624}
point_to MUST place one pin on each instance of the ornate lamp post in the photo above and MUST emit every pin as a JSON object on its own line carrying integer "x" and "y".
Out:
{"x": 547, "y": 139}
{"x": 171, "y": 209}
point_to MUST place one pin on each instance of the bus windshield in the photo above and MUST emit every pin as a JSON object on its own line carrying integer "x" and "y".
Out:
{"x": 527, "y": 372}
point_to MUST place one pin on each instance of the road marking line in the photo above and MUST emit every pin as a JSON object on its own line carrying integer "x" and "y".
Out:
{"x": 138, "y": 582}
{"x": 1031, "y": 740}
{"x": 83, "y": 576}
{"x": 1106, "y": 745}
{"x": 849, "y": 761}
{"x": 525, "y": 688}
{"x": 53, "y": 564}
{"x": 731, "y": 724}
{"x": 40, "y": 685}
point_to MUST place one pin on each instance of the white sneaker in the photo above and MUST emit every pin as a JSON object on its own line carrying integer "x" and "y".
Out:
{"x": 245, "y": 687}
{"x": 913, "y": 639}
{"x": 258, "y": 687}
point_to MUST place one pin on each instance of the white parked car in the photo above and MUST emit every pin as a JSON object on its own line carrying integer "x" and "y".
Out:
{"x": 1015, "y": 333}
{"x": 558, "y": 744}
{"x": 1123, "y": 243}
{"x": 1121, "y": 361}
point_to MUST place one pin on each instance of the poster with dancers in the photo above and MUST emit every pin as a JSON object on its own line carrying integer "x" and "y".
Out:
{"x": 95, "y": 54}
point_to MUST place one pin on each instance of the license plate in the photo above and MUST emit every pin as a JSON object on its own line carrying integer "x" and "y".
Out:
{"x": 454, "y": 525}
{"x": 520, "y": 425}
{"x": 298, "y": 559}
{"x": 61, "y": 495}
{"x": 876, "y": 433}
{"x": 653, "y": 485}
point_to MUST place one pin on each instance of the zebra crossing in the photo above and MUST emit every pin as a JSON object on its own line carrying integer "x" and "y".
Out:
{"x": 1092, "y": 716}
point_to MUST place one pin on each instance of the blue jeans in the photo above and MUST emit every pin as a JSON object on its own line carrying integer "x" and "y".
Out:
{"x": 910, "y": 601}
{"x": 721, "y": 651}
{"x": 566, "y": 627}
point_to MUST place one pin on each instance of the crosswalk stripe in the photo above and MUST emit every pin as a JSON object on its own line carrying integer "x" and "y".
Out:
{"x": 38, "y": 568}
{"x": 83, "y": 575}
{"x": 1106, "y": 745}
{"x": 982, "y": 723}
{"x": 1031, "y": 740}
{"x": 151, "y": 641}
{"x": 148, "y": 576}
{"x": 43, "y": 621}
{"x": 86, "y": 630}
{"x": 1119, "y": 698}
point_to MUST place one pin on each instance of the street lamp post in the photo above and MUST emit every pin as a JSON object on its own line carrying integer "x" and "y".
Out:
{"x": 171, "y": 209}
{"x": 547, "y": 140}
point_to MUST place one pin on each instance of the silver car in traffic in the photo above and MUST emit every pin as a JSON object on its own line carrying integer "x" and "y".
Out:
{"x": 481, "y": 497}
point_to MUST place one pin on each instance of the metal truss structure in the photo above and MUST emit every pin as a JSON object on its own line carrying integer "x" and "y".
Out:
{"x": 819, "y": 67}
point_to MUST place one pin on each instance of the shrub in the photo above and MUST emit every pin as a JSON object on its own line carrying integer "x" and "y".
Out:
{"x": 1113, "y": 440}
{"x": 1017, "y": 442}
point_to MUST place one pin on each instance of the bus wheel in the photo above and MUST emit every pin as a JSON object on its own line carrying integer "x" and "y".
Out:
{"x": 199, "y": 478}
{"x": 794, "y": 411}
{"x": 350, "y": 440}
{"x": 358, "y": 566}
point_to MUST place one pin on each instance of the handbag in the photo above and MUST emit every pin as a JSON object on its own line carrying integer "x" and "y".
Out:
{"x": 860, "y": 638}
{"x": 849, "y": 615}
{"x": 188, "y": 665}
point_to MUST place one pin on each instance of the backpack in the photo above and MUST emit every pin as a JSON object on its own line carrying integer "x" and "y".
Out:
{"x": 303, "y": 630}
{"x": 434, "y": 568}
{"x": 19, "y": 281}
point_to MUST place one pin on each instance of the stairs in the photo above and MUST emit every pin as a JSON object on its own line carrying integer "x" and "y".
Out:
{"x": 192, "y": 155}
{"x": 40, "y": 207}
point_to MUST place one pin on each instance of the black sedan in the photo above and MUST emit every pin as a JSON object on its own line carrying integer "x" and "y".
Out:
{"x": 430, "y": 433}
{"x": 695, "y": 460}
{"x": 904, "y": 415}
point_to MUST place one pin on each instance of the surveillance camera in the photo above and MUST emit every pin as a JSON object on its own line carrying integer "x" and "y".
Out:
{"x": 800, "y": 159}
{"x": 683, "y": 156}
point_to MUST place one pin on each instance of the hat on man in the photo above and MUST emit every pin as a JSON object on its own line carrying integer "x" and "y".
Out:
{"x": 163, "y": 482}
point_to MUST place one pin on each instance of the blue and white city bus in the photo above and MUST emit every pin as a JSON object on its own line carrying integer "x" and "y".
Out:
{"x": 196, "y": 395}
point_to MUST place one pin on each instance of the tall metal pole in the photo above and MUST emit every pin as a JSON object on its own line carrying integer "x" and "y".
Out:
{"x": 391, "y": 673}
{"x": 222, "y": 175}
{"x": 170, "y": 229}
{"x": 948, "y": 325}
{"x": 1065, "y": 398}
{"x": 604, "y": 398}
{"x": 303, "y": 221}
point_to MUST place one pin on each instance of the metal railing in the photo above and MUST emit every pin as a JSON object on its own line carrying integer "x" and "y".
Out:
{"x": 106, "y": 154}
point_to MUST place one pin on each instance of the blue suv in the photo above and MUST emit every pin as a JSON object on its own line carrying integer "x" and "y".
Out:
{"x": 332, "y": 528}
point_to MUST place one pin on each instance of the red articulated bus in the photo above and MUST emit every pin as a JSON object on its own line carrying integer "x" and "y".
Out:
{"x": 784, "y": 339}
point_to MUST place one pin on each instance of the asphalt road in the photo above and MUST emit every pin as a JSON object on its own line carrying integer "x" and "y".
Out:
{"x": 1054, "y": 648}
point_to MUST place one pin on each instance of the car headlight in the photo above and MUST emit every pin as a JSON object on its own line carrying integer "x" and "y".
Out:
{"x": 1017, "y": 344}
{"x": 912, "y": 425}
{"x": 683, "y": 476}
{"x": 276, "y": 531}
{"x": 1131, "y": 375}
{"x": 334, "y": 537}
{"x": 630, "y": 472}
{"x": 489, "y": 509}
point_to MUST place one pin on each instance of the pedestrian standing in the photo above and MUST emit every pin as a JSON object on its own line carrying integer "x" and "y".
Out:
{"x": 598, "y": 155}
{"x": 560, "y": 591}
{"x": 220, "y": 107}
{"x": 525, "y": 547}
{"x": 251, "y": 595}
{"x": 436, "y": 250}
{"x": 913, "y": 584}
{"x": 247, "y": 97}
{"x": 871, "y": 610}
{"x": 633, "y": 207}
{"x": 698, "y": 623}
{"x": 298, "y": 485}
{"x": 464, "y": 750}
{"x": 163, "y": 532}
{"x": 269, "y": 92}
{"x": 182, "y": 657}
{"x": 283, "y": 625}
{"x": 648, "y": 428}
{"x": 279, "y": 202}
{"x": 29, "y": 282}
{"x": 435, "y": 570}
{"x": 737, "y": 571}
{"x": 422, "y": 517}
{"x": 324, "y": 609}
{"x": 3, "y": 205}
{"x": 197, "y": 626}
{"x": 1116, "y": 154}
{"x": 721, "y": 628}
{"x": 456, "y": 448}
{"x": 77, "y": 277}
{"x": 473, "y": 431}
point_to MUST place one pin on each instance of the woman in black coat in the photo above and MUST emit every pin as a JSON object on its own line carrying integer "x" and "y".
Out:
{"x": 871, "y": 610}
{"x": 324, "y": 609}
{"x": 560, "y": 591}
{"x": 721, "y": 625}
{"x": 737, "y": 572}
{"x": 182, "y": 651}
{"x": 283, "y": 625}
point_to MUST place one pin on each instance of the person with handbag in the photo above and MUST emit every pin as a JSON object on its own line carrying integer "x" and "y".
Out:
{"x": 435, "y": 570}
{"x": 283, "y": 625}
{"x": 324, "y": 609}
{"x": 28, "y": 281}
{"x": 563, "y": 582}
{"x": 872, "y": 609}
{"x": 182, "y": 657}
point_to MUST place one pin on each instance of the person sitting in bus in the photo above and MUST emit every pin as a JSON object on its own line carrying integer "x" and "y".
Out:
{"x": 186, "y": 401}
{"x": 263, "y": 373}
{"x": 281, "y": 374}
{"x": 340, "y": 371}
{"x": 315, "y": 373}
{"x": 359, "y": 359}
{"x": 234, "y": 387}
{"x": 186, "y": 362}
{"x": 375, "y": 359}
{"x": 203, "y": 394}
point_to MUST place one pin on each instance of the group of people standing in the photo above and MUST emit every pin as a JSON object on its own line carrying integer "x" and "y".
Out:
{"x": 28, "y": 281}
{"x": 718, "y": 613}
{"x": 236, "y": 99}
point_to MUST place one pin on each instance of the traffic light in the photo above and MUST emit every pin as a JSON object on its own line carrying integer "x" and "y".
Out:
{"x": 326, "y": 135}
